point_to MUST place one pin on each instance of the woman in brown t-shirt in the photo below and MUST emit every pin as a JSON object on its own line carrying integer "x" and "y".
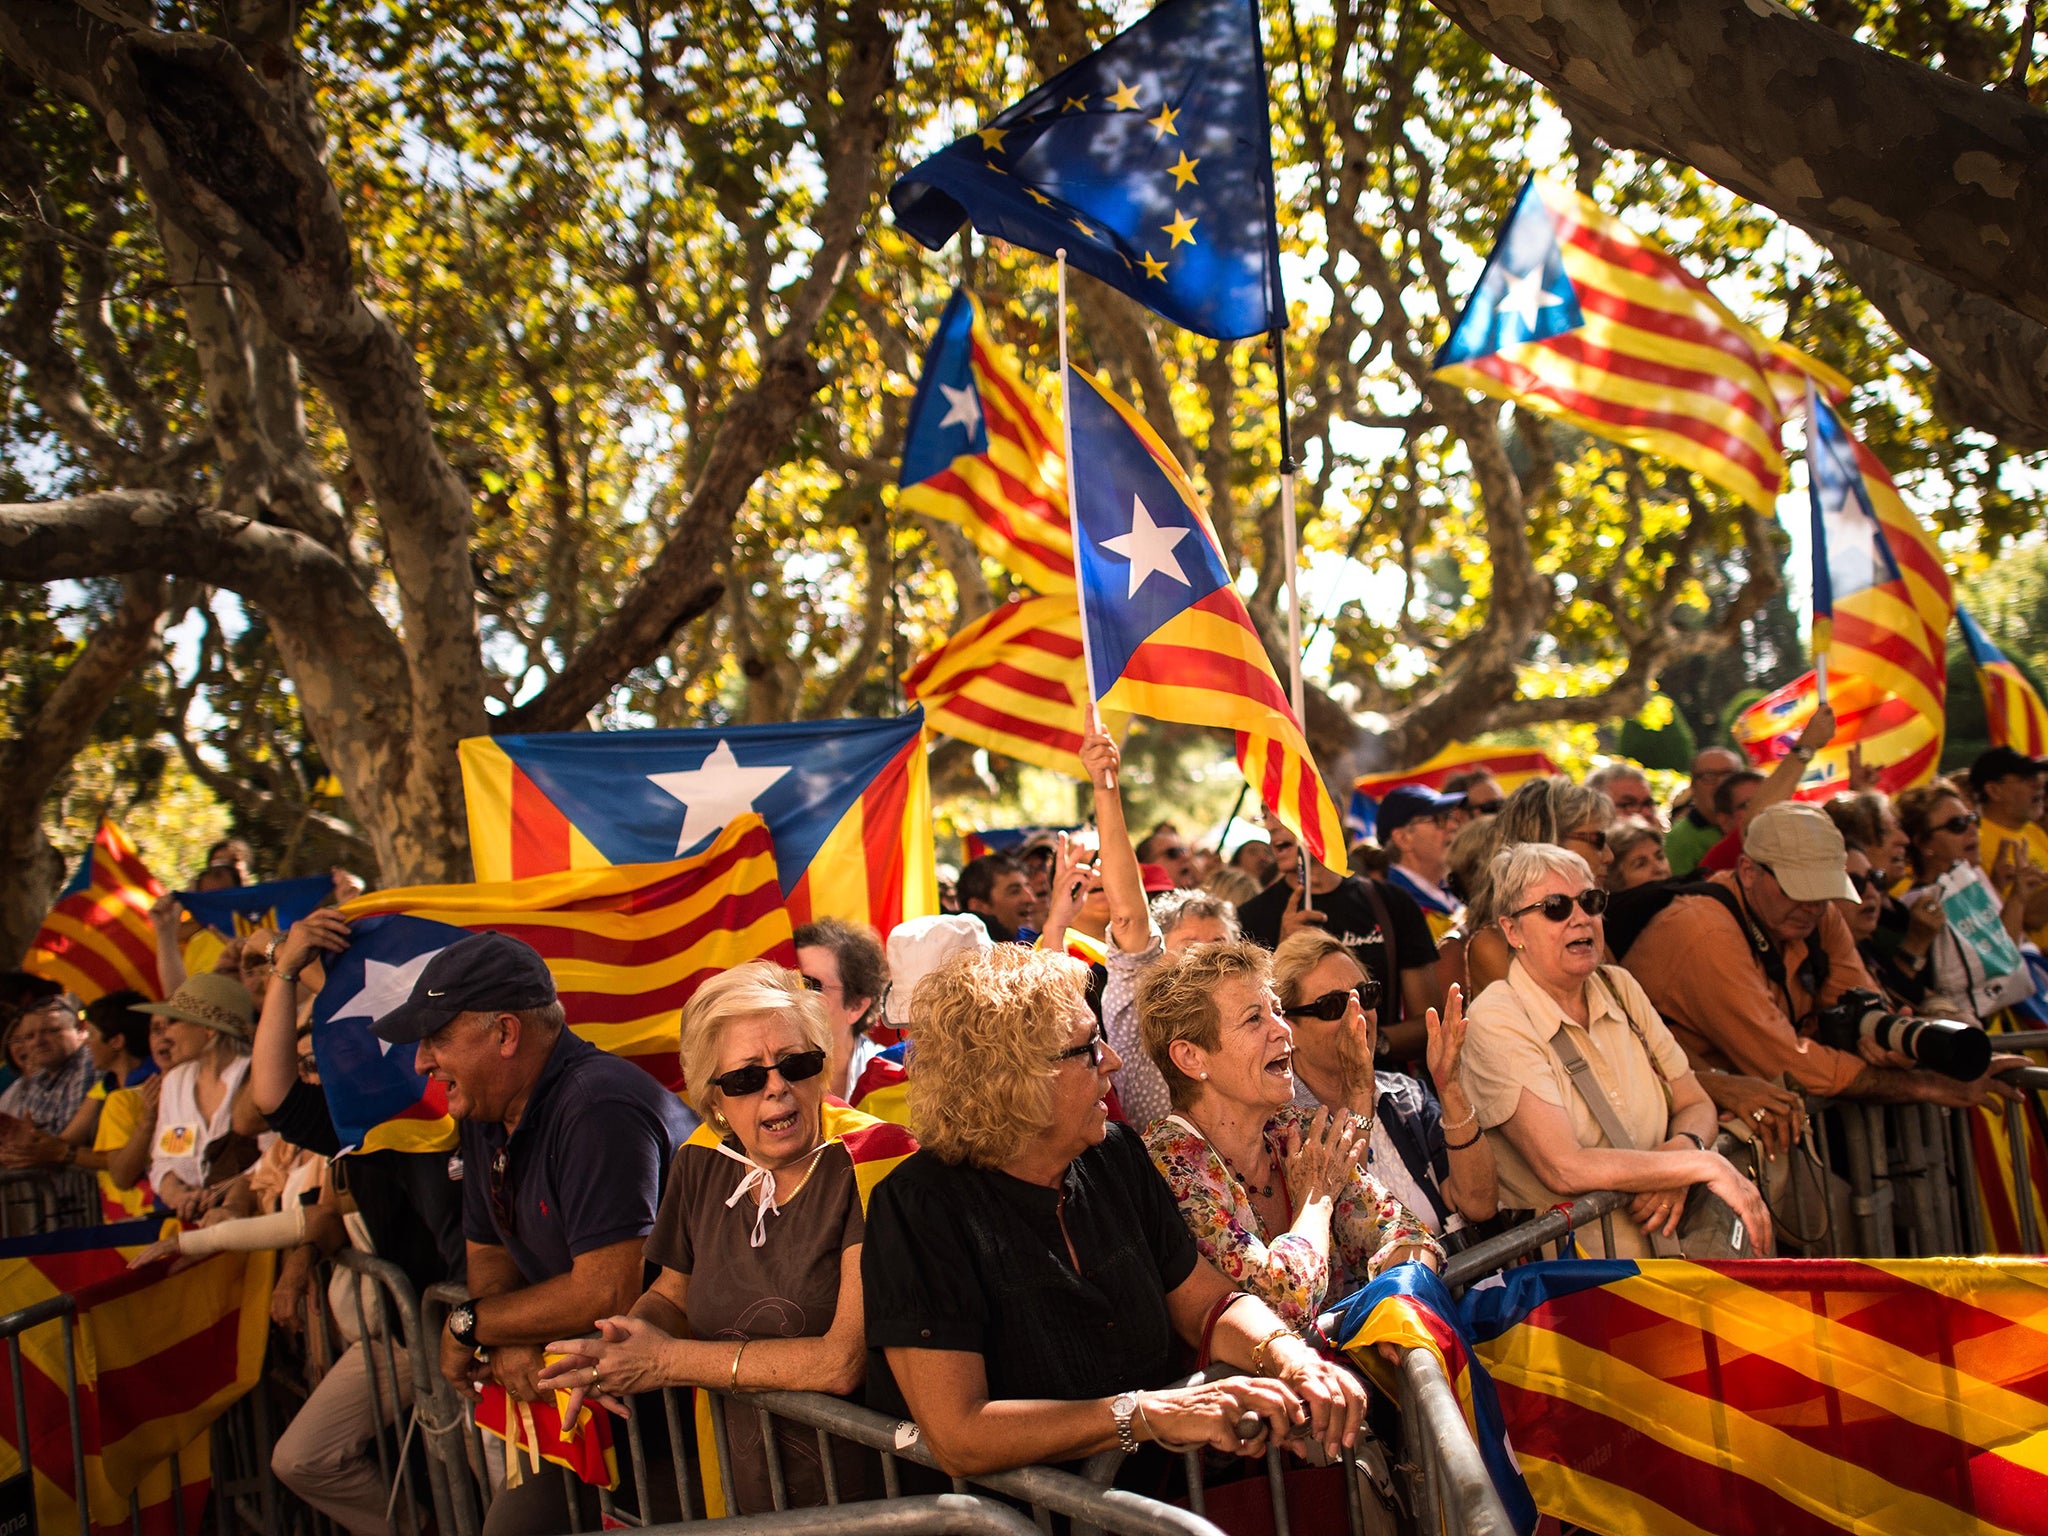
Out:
{"x": 758, "y": 1237}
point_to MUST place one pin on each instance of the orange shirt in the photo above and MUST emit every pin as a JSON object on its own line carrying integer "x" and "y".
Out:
{"x": 1697, "y": 965}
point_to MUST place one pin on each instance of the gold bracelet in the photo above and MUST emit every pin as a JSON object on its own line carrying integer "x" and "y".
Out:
{"x": 734, "y": 1384}
{"x": 1259, "y": 1349}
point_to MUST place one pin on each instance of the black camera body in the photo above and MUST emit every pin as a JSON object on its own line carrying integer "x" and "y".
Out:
{"x": 1948, "y": 1046}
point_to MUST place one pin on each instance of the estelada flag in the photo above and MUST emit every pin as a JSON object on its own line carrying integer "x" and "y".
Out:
{"x": 1167, "y": 635}
{"x": 534, "y": 1437}
{"x": 242, "y": 909}
{"x": 628, "y": 946}
{"x": 2013, "y": 711}
{"x": 1669, "y": 1397}
{"x": 1579, "y": 317}
{"x": 97, "y": 938}
{"x": 847, "y": 802}
{"x": 158, "y": 1357}
{"x": 981, "y": 451}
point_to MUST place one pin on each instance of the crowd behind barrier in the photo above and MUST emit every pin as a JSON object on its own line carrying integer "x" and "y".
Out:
{"x": 1883, "y": 1159}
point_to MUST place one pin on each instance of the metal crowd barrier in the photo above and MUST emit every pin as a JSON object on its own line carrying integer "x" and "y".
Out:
{"x": 34, "y": 1200}
{"x": 1553, "y": 1229}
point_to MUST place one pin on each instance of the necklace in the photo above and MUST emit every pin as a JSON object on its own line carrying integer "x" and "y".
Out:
{"x": 1263, "y": 1191}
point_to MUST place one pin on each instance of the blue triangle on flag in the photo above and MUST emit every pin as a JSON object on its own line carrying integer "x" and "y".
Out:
{"x": 946, "y": 419}
{"x": 1524, "y": 293}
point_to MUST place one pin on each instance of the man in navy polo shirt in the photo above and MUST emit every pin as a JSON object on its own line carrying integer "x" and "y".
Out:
{"x": 565, "y": 1150}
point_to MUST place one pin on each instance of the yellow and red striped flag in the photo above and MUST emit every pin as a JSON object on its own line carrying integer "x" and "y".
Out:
{"x": 1167, "y": 635}
{"x": 1509, "y": 766}
{"x": 1900, "y": 744}
{"x": 2013, "y": 711}
{"x": 1800, "y": 1397}
{"x": 98, "y": 938}
{"x": 159, "y": 1356}
{"x": 1579, "y": 317}
{"x": 980, "y": 450}
{"x": 1013, "y": 682}
{"x": 628, "y": 945}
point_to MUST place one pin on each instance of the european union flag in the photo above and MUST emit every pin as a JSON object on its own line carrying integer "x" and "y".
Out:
{"x": 1150, "y": 162}
{"x": 1523, "y": 295}
{"x": 245, "y": 908}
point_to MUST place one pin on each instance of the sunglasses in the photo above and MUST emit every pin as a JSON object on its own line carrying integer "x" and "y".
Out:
{"x": 1866, "y": 883}
{"x": 1092, "y": 1048}
{"x": 1963, "y": 821}
{"x": 1331, "y": 1006}
{"x": 1488, "y": 809}
{"x": 1555, "y": 909}
{"x": 744, "y": 1082}
{"x": 1592, "y": 837}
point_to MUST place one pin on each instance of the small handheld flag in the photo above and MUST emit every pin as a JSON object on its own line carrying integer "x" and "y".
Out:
{"x": 1579, "y": 317}
{"x": 981, "y": 451}
{"x": 2012, "y": 709}
{"x": 1167, "y": 635}
{"x": 242, "y": 909}
{"x": 1897, "y": 743}
{"x": 1149, "y": 161}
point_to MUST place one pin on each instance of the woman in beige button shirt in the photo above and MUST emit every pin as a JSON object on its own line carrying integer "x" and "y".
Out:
{"x": 1546, "y": 1139}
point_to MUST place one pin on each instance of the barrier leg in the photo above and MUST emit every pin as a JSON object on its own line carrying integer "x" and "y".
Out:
{"x": 1969, "y": 1213}
{"x": 1870, "y": 1204}
{"x": 2022, "y": 1175}
{"x": 1941, "y": 1192}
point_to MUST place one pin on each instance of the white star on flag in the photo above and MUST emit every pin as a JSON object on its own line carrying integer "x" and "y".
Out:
{"x": 1526, "y": 298}
{"x": 1149, "y": 548}
{"x": 384, "y": 987}
{"x": 715, "y": 792}
{"x": 963, "y": 409}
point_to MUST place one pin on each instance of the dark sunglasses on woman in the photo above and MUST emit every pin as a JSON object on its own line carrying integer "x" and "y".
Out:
{"x": 744, "y": 1082}
{"x": 1331, "y": 1005}
{"x": 1964, "y": 821}
{"x": 1592, "y": 901}
{"x": 1865, "y": 884}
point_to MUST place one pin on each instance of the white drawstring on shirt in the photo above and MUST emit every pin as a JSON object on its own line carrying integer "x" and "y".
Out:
{"x": 762, "y": 1182}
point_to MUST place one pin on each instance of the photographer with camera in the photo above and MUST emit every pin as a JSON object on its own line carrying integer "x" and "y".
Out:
{"x": 1749, "y": 967}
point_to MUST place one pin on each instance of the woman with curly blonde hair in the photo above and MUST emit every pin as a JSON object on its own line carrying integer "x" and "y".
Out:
{"x": 1028, "y": 1276}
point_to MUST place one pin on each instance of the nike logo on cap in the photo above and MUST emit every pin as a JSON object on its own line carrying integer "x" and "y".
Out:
{"x": 432, "y": 993}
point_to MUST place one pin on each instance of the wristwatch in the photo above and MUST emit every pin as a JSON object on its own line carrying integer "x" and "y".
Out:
{"x": 1125, "y": 1407}
{"x": 462, "y": 1324}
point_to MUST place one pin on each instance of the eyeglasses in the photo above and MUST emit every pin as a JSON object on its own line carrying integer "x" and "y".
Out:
{"x": 1866, "y": 883}
{"x": 1092, "y": 1048}
{"x": 309, "y": 1068}
{"x": 745, "y": 1082}
{"x": 812, "y": 984}
{"x": 1331, "y": 1006}
{"x": 1487, "y": 809}
{"x": 1592, "y": 837}
{"x": 1962, "y": 821}
{"x": 1641, "y": 807}
{"x": 1555, "y": 909}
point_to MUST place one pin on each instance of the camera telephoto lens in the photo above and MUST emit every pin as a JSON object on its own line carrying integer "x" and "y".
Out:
{"x": 1948, "y": 1046}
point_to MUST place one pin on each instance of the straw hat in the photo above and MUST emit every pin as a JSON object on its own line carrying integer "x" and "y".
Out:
{"x": 218, "y": 1002}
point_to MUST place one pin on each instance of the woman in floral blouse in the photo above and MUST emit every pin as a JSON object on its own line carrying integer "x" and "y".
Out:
{"x": 1274, "y": 1195}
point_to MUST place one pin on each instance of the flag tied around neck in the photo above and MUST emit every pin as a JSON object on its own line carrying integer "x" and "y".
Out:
{"x": 1149, "y": 162}
{"x": 1579, "y": 317}
{"x": 98, "y": 938}
{"x": 2012, "y": 709}
{"x": 1168, "y": 636}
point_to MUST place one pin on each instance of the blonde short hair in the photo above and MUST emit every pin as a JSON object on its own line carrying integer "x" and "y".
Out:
{"x": 981, "y": 1067}
{"x": 1177, "y": 1001}
{"x": 1301, "y": 952}
{"x": 760, "y": 987}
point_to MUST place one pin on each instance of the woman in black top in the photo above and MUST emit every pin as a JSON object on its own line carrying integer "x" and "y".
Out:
{"x": 1031, "y": 1289}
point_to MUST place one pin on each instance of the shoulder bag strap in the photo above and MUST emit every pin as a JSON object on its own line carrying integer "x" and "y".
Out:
{"x": 1604, "y": 1112}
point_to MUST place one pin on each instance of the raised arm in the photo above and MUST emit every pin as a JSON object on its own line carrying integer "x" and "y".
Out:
{"x": 1130, "y": 916}
{"x": 274, "y": 1058}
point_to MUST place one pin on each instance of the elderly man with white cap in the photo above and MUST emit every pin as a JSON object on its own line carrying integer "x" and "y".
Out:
{"x": 1741, "y": 972}
{"x": 916, "y": 948}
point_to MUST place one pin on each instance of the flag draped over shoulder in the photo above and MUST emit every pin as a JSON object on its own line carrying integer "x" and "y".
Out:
{"x": 981, "y": 451}
{"x": 1896, "y": 740}
{"x": 847, "y": 802}
{"x": 1149, "y": 162}
{"x": 2012, "y": 709}
{"x": 1409, "y": 1307}
{"x": 1672, "y": 1398}
{"x": 97, "y": 938}
{"x": 1013, "y": 682}
{"x": 1579, "y": 317}
{"x": 1168, "y": 636}
{"x": 627, "y": 945}
{"x": 159, "y": 1357}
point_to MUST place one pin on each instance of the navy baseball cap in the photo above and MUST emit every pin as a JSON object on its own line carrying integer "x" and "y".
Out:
{"x": 484, "y": 973}
{"x": 1408, "y": 802}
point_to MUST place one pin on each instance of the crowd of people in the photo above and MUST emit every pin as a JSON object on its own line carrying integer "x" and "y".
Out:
{"x": 1132, "y": 1108}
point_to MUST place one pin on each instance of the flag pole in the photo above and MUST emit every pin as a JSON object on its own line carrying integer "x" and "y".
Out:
{"x": 1094, "y": 719}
